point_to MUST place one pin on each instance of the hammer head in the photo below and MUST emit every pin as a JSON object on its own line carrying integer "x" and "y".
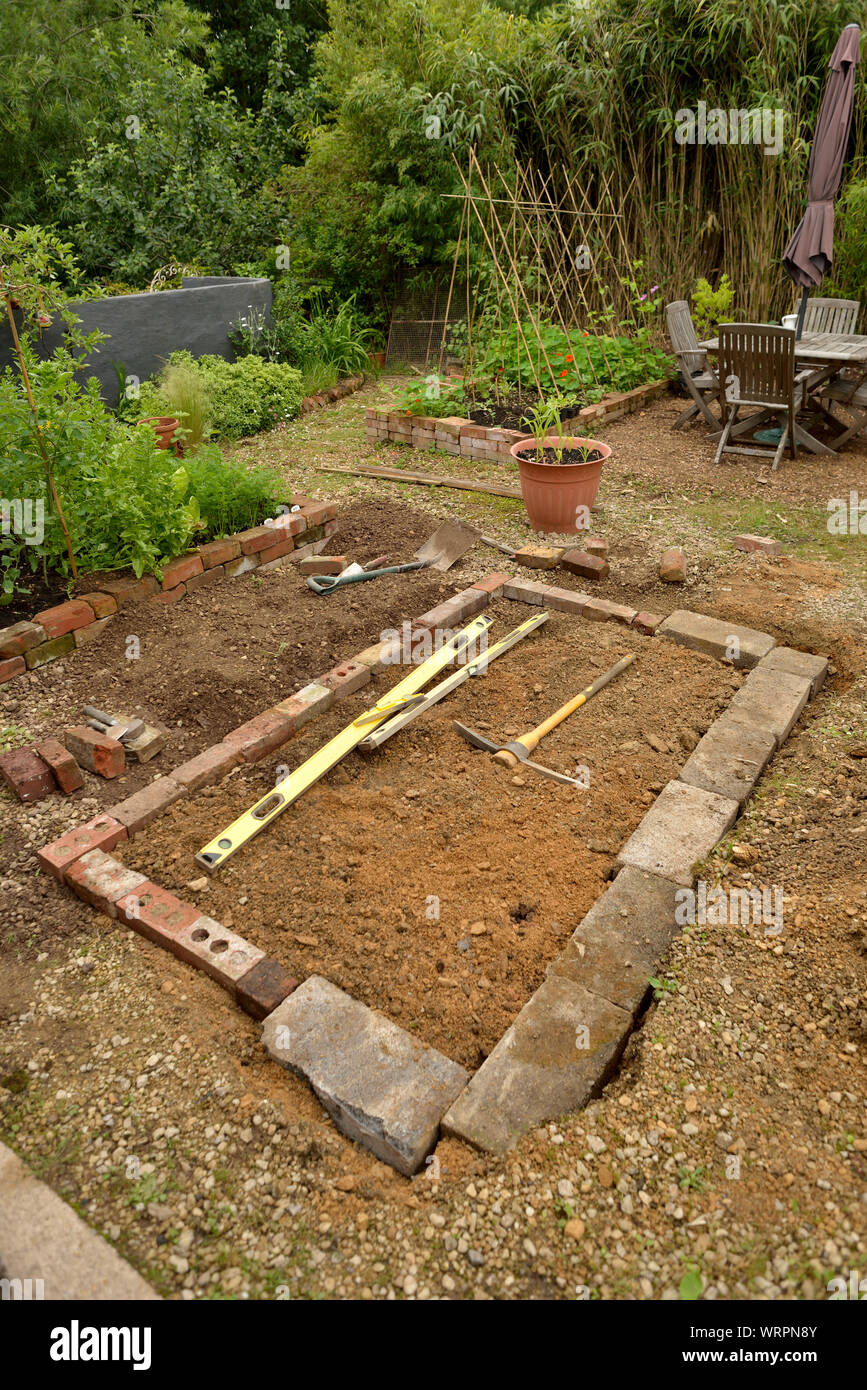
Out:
{"x": 517, "y": 749}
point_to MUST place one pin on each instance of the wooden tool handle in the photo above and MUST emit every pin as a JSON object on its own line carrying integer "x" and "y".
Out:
{"x": 535, "y": 736}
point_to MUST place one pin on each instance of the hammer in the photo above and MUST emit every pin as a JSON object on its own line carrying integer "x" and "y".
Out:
{"x": 510, "y": 754}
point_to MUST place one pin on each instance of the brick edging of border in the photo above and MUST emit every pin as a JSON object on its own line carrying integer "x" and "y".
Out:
{"x": 346, "y": 387}
{"x": 454, "y": 435}
{"x": 58, "y": 631}
{"x": 597, "y": 983}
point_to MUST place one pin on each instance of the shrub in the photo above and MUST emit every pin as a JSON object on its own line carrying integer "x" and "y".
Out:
{"x": 711, "y": 307}
{"x": 244, "y": 396}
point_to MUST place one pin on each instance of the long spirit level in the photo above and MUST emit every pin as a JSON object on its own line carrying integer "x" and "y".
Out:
{"x": 451, "y": 682}
{"x": 287, "y": 791}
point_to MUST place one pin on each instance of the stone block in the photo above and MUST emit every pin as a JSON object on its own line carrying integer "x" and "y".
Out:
{"x": 681, "y": 828}
{"x": 773, "y": 699}
{"x": 382, "y": 1087}
{"x": 555, "y": 1057}
{"x": 729, "y": 760}
{"x": 795, "y": 663}
{"x": 717, "y": 637}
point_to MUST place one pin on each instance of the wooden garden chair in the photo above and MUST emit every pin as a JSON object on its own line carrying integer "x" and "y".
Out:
{"x": 700, "y": 380}
{"x": 757, "y": 368}
{"x": 832, "y": 315}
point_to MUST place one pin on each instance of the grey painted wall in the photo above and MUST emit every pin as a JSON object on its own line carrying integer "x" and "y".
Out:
{"x": 146, "y": 328}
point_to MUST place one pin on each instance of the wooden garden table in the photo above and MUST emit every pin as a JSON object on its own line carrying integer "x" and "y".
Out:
{"x": 823, "y": 354}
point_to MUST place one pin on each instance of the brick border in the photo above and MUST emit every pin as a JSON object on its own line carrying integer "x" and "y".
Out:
{"x": 454, "y": 435}
{"x": 346, "y": 387}
{"x": 600, "y": 983}
{"x": 58, "y": 631}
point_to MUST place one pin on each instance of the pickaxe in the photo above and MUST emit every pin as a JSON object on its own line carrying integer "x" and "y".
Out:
{"x": 511, "y": 754}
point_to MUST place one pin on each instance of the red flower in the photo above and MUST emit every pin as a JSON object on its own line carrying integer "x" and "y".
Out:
{"x": 569, "y": 357}
{"x": 564, "y": 373}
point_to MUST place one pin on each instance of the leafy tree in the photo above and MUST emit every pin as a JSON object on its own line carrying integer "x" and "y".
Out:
{"x": 50, "y": 91}
{"x": 250, "y": 35}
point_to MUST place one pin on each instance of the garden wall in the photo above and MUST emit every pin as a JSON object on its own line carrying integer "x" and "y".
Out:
{"x": 145, "y": 328}
{"x": 454, "y": 435}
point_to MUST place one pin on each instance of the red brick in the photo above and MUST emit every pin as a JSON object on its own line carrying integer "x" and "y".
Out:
{"x": 766, "y": 545}
{"x": 85, "y": 635}
{"x": 595, "y": 545}
{"x": 222, "y": 954}
{"x": 65, "y": 617}
{"x": 672, "y": 567}
{"x": 103, "y": 832}
{"x": 539, "y": 557}
{"x": 323, "y": 564}
{"x": 304, "y": 704}
{"x": 601, "y": 610}
{"x": 101, "y": 880}
{"x": 96, "y": 752}
{"x": 492, "y": 583}
{"x": 565, "y": 600}
{"x": 103, "y": 605}
{"x": 588, "y": 566}
{"x": 207, "y": 768}
{"x": 260, "y": 736}
{"x": 289, "y": 524}
{"x": 380, "y": 656}
{"x": 144, "y": 806}
{"x": 176, "y": 571}
{"x": 26, "y": 774}
{"x": 67, "y": 773}
{"x": 646, "y": 622}
{"x": 204, "y": 581}
{"x": 263, "y": 987}
{"x": 346, "y": 678}
{"x": 12, "y": 666}
{"x": 131, "y": 590}
{"x": 218, "y": 552}
{"x": 154, "y": 912}
{"x": 255, "y": 539}
{"x": 318, "y": 513}
{"x": 19, "y": 638}
{"x": 474, "y": 432}
{"x": 275, "y": 552}
{"x": 525, "y": 591}
{"x": 51, "y": 651}
{"x": 467, "y": 604}
{"x": 170, "y": 596}
{"x": 242, "y": 565}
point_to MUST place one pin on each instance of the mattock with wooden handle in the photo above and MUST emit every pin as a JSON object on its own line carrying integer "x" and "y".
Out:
{"x": 511, "y": 754}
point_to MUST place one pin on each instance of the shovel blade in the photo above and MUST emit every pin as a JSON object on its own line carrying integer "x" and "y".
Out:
{"x": 449, "y": 542}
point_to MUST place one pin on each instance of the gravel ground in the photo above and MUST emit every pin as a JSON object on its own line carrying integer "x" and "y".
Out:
{"x": 726, "y": 1159}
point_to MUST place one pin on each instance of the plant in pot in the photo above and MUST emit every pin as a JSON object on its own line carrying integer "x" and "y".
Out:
{"x": 559, "y": 473}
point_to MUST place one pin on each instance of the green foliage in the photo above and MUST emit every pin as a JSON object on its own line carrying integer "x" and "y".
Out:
{"x": 435, "y": 396}
{"x": 230, "y": 496}
{"x": 577, "y": 366}
{"x": 253, "y": 37}
{"x": 243, "y": 397}
{"x": 848, "y": 276}
{"x": 186, "y": 183}
{"x": 711, "y": 307}
{"x": 115, "y": 486}
{"x": 186, "y": 395}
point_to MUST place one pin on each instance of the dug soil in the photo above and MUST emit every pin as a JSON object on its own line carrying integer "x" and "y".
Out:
{"x": 426, "y": 880}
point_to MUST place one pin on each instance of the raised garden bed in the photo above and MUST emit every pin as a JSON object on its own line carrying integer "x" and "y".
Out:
{"x": 56, "y": 632}
{"x": 372, "y": 850}
{"x": 465, "y": 437}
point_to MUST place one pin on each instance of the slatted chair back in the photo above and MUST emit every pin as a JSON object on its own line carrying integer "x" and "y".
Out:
{"x": 684, "y": 341}
{"x": 831, "y": 315}
{"x": 757, "y": 363}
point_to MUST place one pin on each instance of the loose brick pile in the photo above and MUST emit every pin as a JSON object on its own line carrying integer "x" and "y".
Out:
{"x": 454, "y": 435}
{"x": 333, "y": 393}
{"x": 57, "y": 631}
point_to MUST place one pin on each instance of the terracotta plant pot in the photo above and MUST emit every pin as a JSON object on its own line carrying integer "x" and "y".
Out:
{"x": 558, "y": 496}
{"x": 378, "y": 358}
{"x": 163, "y": 427}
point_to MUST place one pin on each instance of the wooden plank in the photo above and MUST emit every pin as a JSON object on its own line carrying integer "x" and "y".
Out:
{"x": 397, "y": 475}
